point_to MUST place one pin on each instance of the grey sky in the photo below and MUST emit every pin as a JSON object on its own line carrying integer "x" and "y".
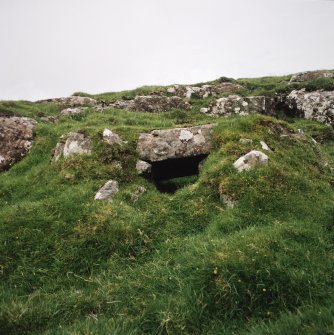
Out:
{"x": 53, "y": 48}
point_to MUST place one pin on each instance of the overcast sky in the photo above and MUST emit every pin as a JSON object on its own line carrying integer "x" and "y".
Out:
{"x": 53, "y": 48}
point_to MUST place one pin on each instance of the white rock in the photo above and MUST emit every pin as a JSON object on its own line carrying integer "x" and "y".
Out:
{"x": 264, "y": 146}
{"x": 112, "y": 138}
{"x": 250, "y": 160}
{"x": 108, "y": 191}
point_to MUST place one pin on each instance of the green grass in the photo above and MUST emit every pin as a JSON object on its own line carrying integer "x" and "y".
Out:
{"x": 179, "y": 263}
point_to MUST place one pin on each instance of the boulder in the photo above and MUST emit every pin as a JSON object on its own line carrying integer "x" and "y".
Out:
{"x": 316, "y": 105}
{"x": 235, "y": 104}
{"x": 152, "y": 104}
{"x": 159, "y": 145}
{"x": 72, "y": 144}
{"x": 250, "y": 160}
{"x": 311, "y": 75}
{"x": 143, "y": 168}
{"x": 16, "y": 134}
{"x": 72, "y": 111}
{"x": 107, "y": 191}
{"x": 112, "y": 138}
{"x": 71, "y": 101}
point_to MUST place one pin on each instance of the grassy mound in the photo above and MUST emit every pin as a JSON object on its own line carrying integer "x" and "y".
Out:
{"x": 179, "y": 263}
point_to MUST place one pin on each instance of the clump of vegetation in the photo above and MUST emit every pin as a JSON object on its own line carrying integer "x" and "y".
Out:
{"x": 162, "y": 263}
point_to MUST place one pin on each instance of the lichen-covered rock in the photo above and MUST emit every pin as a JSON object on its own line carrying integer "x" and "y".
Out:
{"x": 71, "y": 101}
{"x": 235, "y": 104}
{"x": 112, "y": 138}
{"x": 311, "y": 75}
{"x": 16, "y": 134}
{"x": 72, "y": 111}
{"x": 173, "y": 143}
{"x": 152, "y": 104}
{"x": 203, "y": 91}
{"x": 107, "y": 191}
{"x": 143, "y": 168}
{"x": 316, "y": 105}
{"x": 250, "y": 160}
{"x": 72, "y": 144}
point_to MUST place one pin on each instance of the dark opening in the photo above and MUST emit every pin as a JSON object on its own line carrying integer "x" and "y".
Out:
{"x": 172, "y": 174}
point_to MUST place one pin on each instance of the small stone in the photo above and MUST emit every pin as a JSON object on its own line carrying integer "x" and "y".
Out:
{"x": 108, "y": 191}
{"x": 137, "y": 193}
{"x": 112, "y": 138}
{"x": 246, "y": 141}
{"x": 264, "y": 146}
{"x": 143, "y": 168}
{"x": 250, "y": 160}
{"x": 227, "y": 200}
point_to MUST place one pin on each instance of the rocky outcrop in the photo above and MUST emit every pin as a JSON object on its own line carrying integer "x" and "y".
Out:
{"x": 112, "y": 138}
{"x": 250, "y": 160}
{"x": 71, "y": 101}
{"x": 204, "y": 91}
{"x": 152, "y": 104}
{"x": 311, "y": 75}
{"x": 107, "y": 191}
{"x": 160, "y": 145}
{"x": 235, "y": 104}
{"x": 72, "y": 144}
{"x": 16, "y": 134}
{"x": 316, "y": 105}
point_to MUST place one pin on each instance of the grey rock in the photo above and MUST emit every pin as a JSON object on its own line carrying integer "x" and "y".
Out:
{"x": 71, "y": 101}
{"x": 143, "y": 168}
{"x": 235, "y": 104}
{"x": 152, "y": 104}
{"x": 107, "y": 191}
{"x": 311, "y": 75}
{"x": 112, "y": 138}
{"x": 316, "y": 105}
{"x": 204, "y": 91}
{"x": 72, "y": 144}
{"x": 173, "y": 143}
{"x": 72, "y": 111}
{"x": 250, "y": 160}
{"x": 16, "y": 135}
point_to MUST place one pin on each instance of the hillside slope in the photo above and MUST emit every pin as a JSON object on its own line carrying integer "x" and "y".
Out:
{"x": 224, "y": 252}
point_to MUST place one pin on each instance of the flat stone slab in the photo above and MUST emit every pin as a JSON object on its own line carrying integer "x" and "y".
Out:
{"x": 159, "y": 145}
